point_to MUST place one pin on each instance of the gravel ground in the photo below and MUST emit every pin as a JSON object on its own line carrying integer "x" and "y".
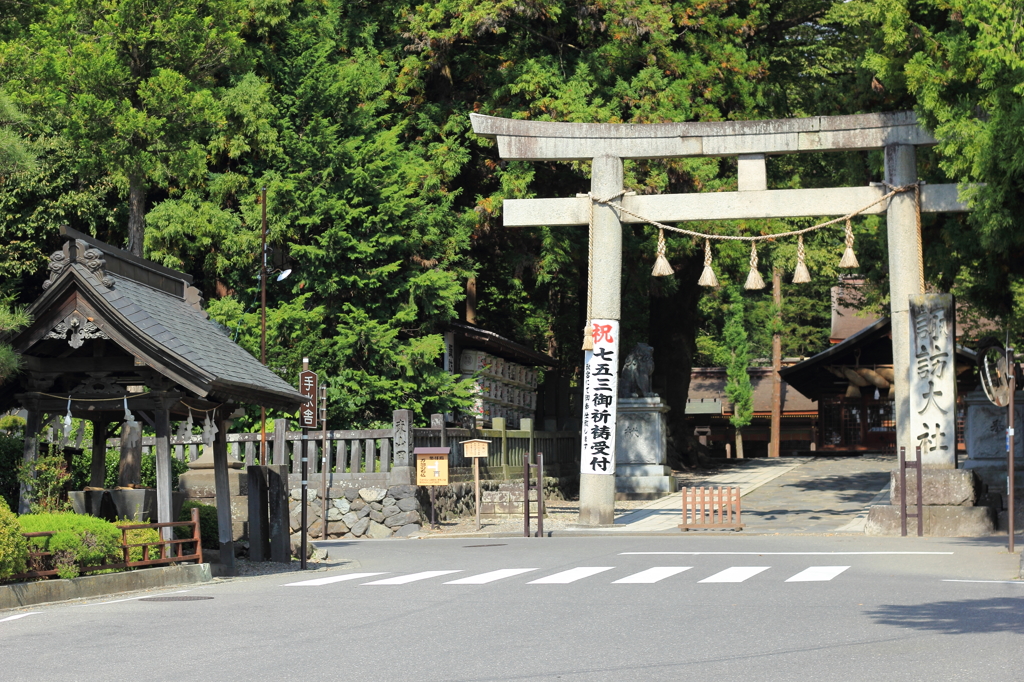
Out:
{"x": 560, "y": 514}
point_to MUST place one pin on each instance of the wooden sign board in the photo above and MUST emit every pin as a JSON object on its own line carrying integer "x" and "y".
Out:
{"x": 308, "y": 388}
{"x": 474, "y": 448}
{"x": 431, "y": 469}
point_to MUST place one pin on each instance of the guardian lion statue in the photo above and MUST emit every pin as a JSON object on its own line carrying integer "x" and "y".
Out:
{"x": 635, "y": 381}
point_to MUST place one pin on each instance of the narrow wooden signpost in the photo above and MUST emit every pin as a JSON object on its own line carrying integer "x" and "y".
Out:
{"x": 431, "y": 471}
{"x": 307, "y": 420}
{"x": 475, "y": 449}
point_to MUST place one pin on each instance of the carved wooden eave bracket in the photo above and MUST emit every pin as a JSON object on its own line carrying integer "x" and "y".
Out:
{"x": 77, "y": 329}
{"x": 78, "y": 251}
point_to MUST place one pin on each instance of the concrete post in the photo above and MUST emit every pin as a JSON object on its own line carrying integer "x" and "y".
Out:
{"x": 906, "y": 277}
{"x": 402, "y": 471}
{"x": 597, "y": 491}
{"x": 277, "y": 494}
{"x": 280, "y": 444}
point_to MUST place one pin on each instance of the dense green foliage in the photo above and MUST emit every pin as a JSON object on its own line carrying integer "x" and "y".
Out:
{"x": 207, "y": 523}
{"x": 12, "y": 449}
{"x": 13, "y": 547}
{"x": 46, "y": 481}
{"x": 354, "y": 116}
{"x": 77, "y": 539}
{"x": 737, "y": 384}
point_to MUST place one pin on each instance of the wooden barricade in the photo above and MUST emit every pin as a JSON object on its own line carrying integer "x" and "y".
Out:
{"x": 711, "y": 508}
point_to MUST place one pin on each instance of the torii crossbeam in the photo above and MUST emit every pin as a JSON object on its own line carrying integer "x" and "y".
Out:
{"x": 606, "y": 145}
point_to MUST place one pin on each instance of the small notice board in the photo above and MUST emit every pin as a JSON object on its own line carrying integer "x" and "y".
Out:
{"x": 431, "y": 466}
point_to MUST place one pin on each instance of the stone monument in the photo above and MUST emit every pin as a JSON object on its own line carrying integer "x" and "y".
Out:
{"x": 641, "y": 432}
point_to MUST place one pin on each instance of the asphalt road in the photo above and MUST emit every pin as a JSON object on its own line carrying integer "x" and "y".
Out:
{"x": 699, "y": 607}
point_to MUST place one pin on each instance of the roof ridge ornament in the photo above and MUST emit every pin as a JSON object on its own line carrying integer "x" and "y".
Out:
{"x": 89, "y": 256}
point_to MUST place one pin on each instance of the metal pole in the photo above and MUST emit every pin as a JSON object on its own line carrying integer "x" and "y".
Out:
{"x": 526, "y": 495}
{"x": 540, "y": 494}
{"x": 433, "y": 523}
{"x": 903, "y": 491}
{"x": 263, "y": 322}
{"x": 305, "y": 492}
{"x": 1009, "y": 433}
{"x": 774, "y": 446}
{"x": 476, "y": 486}
{"x": 920, "y": 495}
{"x": 324, "y": 462}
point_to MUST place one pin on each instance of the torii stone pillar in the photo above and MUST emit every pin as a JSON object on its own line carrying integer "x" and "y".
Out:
{"x": 606, "y": 145}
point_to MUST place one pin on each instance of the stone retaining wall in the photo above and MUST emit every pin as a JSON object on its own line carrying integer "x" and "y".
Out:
{"x": 372, "y": 512}
{"x": 497, "y": 498}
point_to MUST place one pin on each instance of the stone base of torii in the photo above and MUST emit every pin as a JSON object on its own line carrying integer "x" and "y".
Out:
{"x": 607, "y": 145}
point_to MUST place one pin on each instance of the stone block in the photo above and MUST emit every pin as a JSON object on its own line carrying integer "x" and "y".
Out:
{"x": 295, "y": 522}
{"x": 409, "y": 504}
{"x": 372, "y": 494}
{"x": 641, "y": 431}
{"x": 316, "y": 528}
{"x": 407, "y": 530}
{"x": 334, "y": 514}
{"x": 487, "y": 508}
{"x": 376, "y": 516}
{"x": 939, "y": 521}
{"x": 401, "y": 492}
{"x": 378, "y": 531}
{"x": 402, "y": 519}
{"x": 342, "y": 505}
{"x": 336, "y": 528}
{"x": 389, "y": 502}
{"x": 364, "y": 512}
{"x": 357, "y": 505}
{"x": 350, "y": 518}
{"x": 376, "y": 506}
{"x": 391, "y": 510}
{"x": 351, "y": 494}
{"x": 360, "y": 526}
{"x": 645, "y": 484}
{"x": 955, "y": 487}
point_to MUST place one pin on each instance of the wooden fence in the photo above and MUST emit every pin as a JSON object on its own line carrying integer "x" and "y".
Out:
{"x": 370, "y": 450}
{"x": 711, "y": 508}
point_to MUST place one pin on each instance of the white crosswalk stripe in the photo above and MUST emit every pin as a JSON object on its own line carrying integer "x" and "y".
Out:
{"x": 411, "y": 578}
{"x": 816, "y": 574}
{"x": 333, "y": 579}
{"x": 651, "y": 575}
{"x": 736, "y": 574}
{"x": 648, "y": 576}
{"x": 571, "y": 576}
{"x": 485, "y": 578}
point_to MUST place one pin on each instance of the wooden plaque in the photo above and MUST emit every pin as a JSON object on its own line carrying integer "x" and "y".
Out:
{"x": 431, "y": 469}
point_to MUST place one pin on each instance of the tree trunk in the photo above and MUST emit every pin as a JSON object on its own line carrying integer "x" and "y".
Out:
{"x": 136, "y": 213}
{"x": 739, "y": 444}
{"x": 774, "y": 445}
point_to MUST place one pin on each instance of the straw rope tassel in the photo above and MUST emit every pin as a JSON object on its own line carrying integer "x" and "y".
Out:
{"x": 849, "y": 259}
{"x": 754, "y": 280}
{"x": 662, "y": 268}
{"x": 801, "y": 275}
{"x": 707, "y": 278}
{"x": 588, "y": 331}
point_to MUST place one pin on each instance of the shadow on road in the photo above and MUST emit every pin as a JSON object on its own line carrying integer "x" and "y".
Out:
{"x": 956, "y": 617}
{"x": 858, "y": 487}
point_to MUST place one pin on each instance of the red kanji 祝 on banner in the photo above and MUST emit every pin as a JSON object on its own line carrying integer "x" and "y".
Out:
{"x": 600, "y": 394}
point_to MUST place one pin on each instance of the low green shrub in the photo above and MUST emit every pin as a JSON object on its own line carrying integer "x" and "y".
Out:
{"x": 207, "y": 523}
{"x": 77, "y": 538}
{"x": 13, "y": 548}
{"x": 46, "y": 478}
{"x": 137, "y": 536}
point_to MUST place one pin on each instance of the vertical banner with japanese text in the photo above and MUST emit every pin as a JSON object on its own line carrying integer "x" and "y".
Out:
{"x": 933, "y": 378}
{"x": 307, "y": 387}
{"x": 600, "y": 395}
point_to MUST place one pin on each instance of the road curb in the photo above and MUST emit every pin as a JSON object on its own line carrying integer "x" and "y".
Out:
{"x": 20, "y": 595}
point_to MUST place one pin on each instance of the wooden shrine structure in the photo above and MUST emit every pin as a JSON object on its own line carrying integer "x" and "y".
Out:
{"x": 114, "y": 336}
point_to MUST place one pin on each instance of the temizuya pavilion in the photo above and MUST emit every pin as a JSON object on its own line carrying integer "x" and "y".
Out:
{"x": 112, "y": 329}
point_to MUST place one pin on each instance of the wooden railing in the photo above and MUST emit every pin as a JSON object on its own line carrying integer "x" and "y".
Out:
{"x": 172, "y": 551}
{"x": 370, "y": 451}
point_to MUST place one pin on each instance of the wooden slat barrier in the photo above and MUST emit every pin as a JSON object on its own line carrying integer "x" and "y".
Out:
{"x": 711, "y": 508}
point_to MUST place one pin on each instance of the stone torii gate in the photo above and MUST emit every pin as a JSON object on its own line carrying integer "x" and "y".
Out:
{"x": 606, "y": 145}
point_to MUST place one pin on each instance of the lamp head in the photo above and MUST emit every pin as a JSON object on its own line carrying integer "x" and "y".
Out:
{"x": 284, "y": 274}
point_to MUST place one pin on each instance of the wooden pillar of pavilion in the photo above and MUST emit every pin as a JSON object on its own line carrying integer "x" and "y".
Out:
{"x": 223, "y": 492}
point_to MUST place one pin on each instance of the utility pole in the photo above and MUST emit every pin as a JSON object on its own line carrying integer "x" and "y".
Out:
{"x": 774, "y": 444}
